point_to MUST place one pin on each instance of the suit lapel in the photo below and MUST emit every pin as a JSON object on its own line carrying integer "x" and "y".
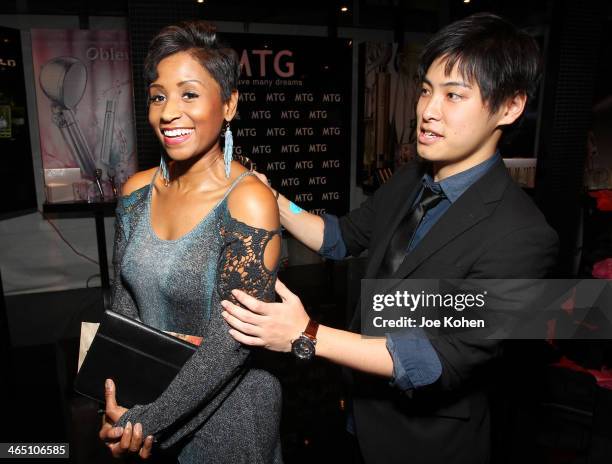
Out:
{"x": 476, "y": 203}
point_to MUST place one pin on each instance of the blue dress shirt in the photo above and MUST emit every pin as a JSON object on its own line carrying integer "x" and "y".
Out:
{"x": 415, "y": 362}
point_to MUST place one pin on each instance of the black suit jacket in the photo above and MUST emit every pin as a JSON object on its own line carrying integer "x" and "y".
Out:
{"x": 492, "y": 231}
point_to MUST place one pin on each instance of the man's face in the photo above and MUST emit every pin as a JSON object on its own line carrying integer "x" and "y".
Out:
{"x": 455, "y": 129}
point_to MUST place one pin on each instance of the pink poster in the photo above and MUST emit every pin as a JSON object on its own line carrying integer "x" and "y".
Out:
{"x": 85, "y": 117}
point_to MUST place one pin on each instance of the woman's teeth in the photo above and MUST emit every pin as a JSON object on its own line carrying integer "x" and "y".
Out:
{"x": 177, "y": 132}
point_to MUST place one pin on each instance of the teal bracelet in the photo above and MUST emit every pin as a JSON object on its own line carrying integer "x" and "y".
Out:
{"x": 295, "y": 209}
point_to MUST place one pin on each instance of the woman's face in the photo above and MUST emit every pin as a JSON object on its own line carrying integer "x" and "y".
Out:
{"x": 185, "y": 107}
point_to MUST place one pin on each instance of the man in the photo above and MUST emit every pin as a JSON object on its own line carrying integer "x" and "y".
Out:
{"x": 421, "y": 399}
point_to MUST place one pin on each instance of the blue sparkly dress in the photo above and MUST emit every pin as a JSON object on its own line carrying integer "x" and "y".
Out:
{"x": 224, "y": 406}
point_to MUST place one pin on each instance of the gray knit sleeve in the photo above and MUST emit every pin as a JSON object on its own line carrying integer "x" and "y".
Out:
{"x": 121, "y": 300}
{"x": 217, "y": 366}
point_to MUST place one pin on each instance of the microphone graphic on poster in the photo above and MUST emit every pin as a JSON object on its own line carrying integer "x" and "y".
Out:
{"x": 63, "y": 80}
{"x": 107, "y": 133}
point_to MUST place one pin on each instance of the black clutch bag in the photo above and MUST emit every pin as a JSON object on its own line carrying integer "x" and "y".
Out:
{"x": 141, "y": 360}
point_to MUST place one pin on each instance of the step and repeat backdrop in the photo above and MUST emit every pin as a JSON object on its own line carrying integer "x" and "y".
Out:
{"x": 293, "y": 118}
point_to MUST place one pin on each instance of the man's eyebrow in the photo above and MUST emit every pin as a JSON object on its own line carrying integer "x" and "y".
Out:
{"x": 456, "y": 84}
{"x": 448, "y": 84}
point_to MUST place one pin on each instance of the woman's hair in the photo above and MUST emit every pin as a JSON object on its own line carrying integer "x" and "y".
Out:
{"x": 198, "y": 38}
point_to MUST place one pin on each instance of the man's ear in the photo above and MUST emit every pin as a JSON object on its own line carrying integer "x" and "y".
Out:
{"x": 512, "y": 108}
{"x": 230, "y": 106}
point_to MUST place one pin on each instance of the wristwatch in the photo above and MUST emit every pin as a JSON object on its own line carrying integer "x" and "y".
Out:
{"x": 303, "y": 347}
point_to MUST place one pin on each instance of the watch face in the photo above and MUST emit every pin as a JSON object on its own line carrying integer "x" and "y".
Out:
{"x": 303, "y": 348}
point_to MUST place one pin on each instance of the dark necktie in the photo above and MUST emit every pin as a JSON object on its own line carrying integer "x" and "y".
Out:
{"x": 398, "y": 246}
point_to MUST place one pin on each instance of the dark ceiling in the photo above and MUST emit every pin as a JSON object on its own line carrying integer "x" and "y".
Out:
{"x": 406, "y": 15}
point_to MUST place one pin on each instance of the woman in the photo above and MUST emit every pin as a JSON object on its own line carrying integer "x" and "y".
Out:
{"x": 187, "y": 234}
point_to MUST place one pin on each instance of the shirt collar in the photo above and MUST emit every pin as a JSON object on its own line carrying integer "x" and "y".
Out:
{"x": 454, "y": 186}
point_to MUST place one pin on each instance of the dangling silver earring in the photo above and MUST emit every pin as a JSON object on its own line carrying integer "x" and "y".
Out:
{"x": 228, "y": 149}
{"x": 164, "y": 170}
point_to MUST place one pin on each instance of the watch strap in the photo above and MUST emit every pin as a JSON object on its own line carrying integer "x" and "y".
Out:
{"x": 311, "y": 330}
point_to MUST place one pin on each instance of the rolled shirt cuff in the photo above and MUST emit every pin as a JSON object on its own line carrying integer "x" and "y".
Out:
{"x": 415, "y": 361}
{"x": 333, "y": 246}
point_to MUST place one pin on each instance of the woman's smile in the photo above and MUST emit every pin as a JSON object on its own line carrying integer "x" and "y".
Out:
{"x": 176, "y": 136}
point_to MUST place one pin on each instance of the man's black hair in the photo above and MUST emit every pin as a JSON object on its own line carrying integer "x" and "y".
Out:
{"x": 489, "y": 51}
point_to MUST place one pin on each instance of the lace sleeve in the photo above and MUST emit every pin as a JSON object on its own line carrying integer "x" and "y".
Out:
{"x": 216, "y": 368}
{"x": 242, "y": 263}
{"x": 121, "y": 300}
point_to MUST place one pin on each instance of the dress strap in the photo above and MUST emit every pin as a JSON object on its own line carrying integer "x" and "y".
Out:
{"x": 236, "y": 182}
{"x": 154, "y": 177}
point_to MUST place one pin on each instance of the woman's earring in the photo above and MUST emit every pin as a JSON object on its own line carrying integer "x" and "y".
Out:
{"x": 228, "y": 149}
{"x": 164, "y": 170}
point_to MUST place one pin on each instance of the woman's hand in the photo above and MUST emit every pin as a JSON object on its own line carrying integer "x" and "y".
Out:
{"x": 271, "y": 325}
{"x": 118, "y": 439}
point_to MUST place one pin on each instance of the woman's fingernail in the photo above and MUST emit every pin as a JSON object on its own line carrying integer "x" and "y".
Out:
{"x": 108, "y": 384}
{"x": 128, "y": 425}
